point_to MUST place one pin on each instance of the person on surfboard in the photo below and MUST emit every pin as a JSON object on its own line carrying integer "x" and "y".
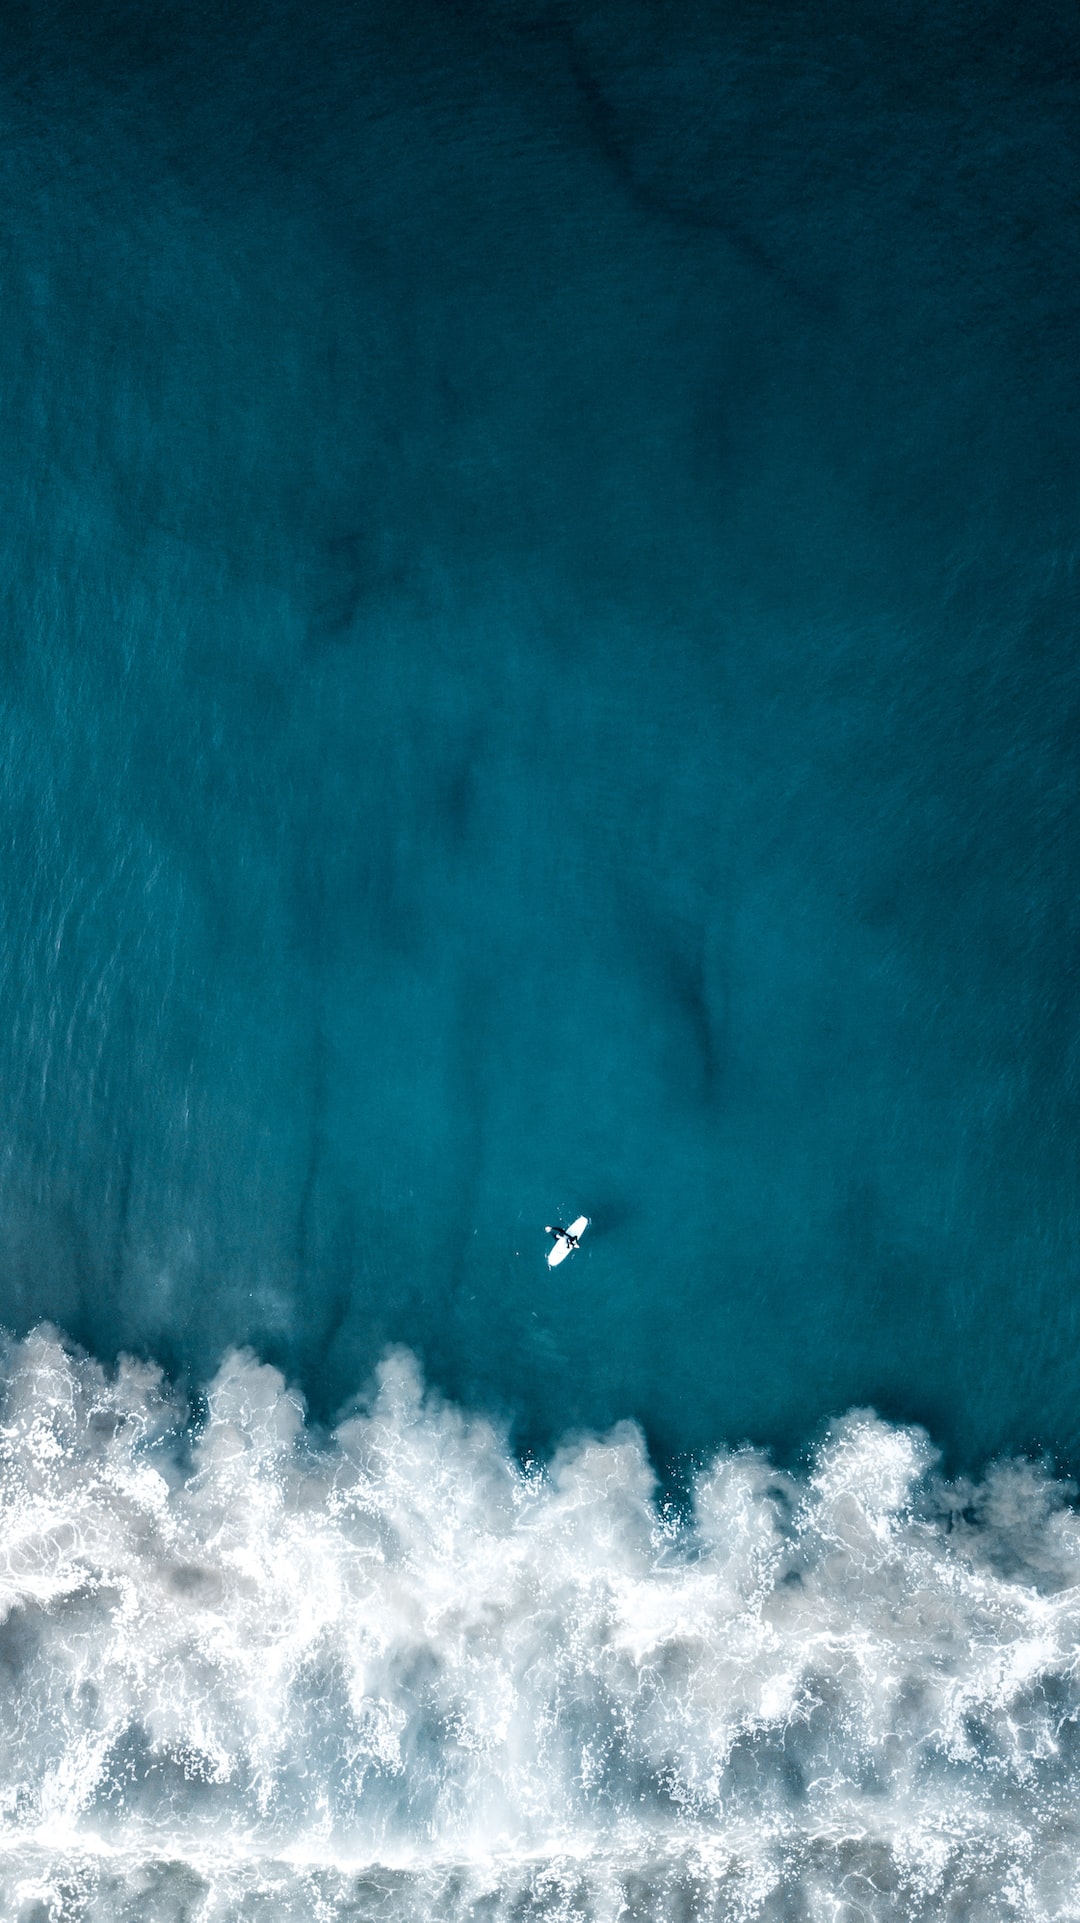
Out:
{"x": 563, "y": 1235}
{"x": 566, "y": 1240}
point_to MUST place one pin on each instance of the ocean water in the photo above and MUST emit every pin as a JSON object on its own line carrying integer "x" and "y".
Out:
{"x": 399, "y": 1673}
{"x": 538, "y": 673}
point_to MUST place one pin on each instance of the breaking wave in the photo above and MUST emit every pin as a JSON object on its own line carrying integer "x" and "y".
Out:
{"x": 248, "y": 1671}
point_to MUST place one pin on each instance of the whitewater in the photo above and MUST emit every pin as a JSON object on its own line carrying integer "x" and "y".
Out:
{"x": 251, "y": 1669}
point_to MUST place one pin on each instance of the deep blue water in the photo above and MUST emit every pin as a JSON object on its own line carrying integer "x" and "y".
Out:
{"x": 540, "y": 672}
{"x": 538, "y": 657}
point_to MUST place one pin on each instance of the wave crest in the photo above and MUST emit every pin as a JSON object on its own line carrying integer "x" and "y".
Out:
{"x": 252, "y": 1670}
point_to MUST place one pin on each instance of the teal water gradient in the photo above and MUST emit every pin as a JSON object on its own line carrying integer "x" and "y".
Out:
{"x": 539, "y": 672}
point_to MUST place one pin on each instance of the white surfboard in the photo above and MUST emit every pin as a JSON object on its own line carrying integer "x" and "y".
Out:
{"x": 561, "y": 1247}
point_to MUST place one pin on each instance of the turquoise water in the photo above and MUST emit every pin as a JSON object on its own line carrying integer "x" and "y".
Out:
{"x": 540, "y": 612}
{"x": 538, "y": 669}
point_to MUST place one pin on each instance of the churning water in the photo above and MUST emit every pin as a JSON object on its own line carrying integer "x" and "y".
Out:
{"x": 395, "y": 1672}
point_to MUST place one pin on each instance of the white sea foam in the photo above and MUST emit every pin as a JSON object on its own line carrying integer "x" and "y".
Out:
{"x": 245, "y": 1673}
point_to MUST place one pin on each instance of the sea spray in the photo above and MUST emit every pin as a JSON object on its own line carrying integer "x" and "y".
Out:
{"x": 253, "y": 1671}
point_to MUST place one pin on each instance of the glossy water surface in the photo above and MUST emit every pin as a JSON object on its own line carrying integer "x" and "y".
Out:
{"x": 539, "y": 672}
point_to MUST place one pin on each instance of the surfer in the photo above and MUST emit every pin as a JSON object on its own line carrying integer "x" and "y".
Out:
{"x": 566, "y": 1240}
{"x": 564, "y": 1235}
